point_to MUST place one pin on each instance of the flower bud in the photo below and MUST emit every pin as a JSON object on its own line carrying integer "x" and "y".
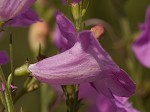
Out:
{"x": 97, "y": 30}
{"x": 2, "y": 23}
{"x": 37, "y": 35}
{"x": 75, "y": 11}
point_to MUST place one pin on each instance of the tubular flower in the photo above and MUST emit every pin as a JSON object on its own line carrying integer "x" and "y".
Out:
{"x": 17, "y": 12}
{"x": 4, "y": 59}
{"x": 85, "y": 61}
{"x": 141, "y": 46}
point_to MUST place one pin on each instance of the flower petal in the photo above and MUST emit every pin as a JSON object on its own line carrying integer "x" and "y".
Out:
{"x": 118, "y": 83}
{"x": 84, "y": 62}
{"x": 4, "y": 59}
{"x": 105, "y": 104}
{"x": 12, "y": 8}
{"x": 141, "y": 46}
{"x": 66, "y": 28}
{"x": 24, "y": 19}
{"x": 61, "y": 42}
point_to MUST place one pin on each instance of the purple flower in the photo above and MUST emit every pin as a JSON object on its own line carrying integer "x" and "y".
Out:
{"x": 141, "y": 46}
{"x": 4, "y": 59}
{"x": 64, "y": 39}
{"x": 17, "y": 12}
{"x": 100, "y": 103}
{"x": 73, "y": 1}
{"x": 118, "y": 104}
{"x": 85, "y": 61}
{"x": 25, "y": 19}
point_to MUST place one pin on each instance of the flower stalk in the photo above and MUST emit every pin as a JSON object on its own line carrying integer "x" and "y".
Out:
{"x": 2, "y": 97}
{"x": 9, "y": 101}
{"x": 71, "y": 91}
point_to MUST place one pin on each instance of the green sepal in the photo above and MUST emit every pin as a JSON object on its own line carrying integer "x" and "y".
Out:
{"x": 22, "y": 70}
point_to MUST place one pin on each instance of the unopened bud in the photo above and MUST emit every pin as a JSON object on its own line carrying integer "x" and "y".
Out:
{"x": 75, "y": 11}
{"x": 98, "y": 30}
{"x": 38, "y": 35}
{"x": 83, "y": 12}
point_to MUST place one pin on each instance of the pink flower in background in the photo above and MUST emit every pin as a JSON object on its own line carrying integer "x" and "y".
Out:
{"x": 17, "y": 12}
{"x": 23, "y": 20}
{"x": 141, "y": 45}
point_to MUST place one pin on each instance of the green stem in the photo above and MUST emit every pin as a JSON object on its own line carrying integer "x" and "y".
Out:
{"x": 23, "y": 90}
{"x": 10, "y": 78}
{"x": 2, "y": 96}
{"x": 8, "y": 97}
{"x": 11, "y": 55}
{"x": 80, "y": 19}
{"x": 44, "y": 100}
{"x": 130, "y": 59}
{"x": 71, "y": 93}
{"x": 76, "y": 101}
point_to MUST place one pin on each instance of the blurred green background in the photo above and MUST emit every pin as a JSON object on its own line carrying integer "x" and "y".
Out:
{"x": 101, "y": 9}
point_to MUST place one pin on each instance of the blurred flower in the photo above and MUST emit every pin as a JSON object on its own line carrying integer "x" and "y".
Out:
{"x": 4, "y": 59}
{"x": 38, "y": 34}
{"x": 23, "y": 20}
{"x": 43, "y": 2}
{"x": 98, "y": 30}
{"x": 85, "y": 61}
{"x": 72, "y": 1}
{"x": 141, "y": 46}
{"x": 11, "y": 86}
{"x": 17, "y": 12}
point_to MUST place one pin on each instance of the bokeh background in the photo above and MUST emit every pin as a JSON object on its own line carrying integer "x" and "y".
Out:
{"x": 113, "y": 42}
